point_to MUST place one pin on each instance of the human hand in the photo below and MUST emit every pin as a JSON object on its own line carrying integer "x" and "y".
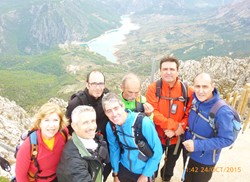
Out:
{"x": 169, "y": 133}
{"x": 189, "y": 145}
{"x": 142, "y": 178}
{"x": 148, "y": 108}
{"x": 179, "y": 130}
{"x": 116, "y": 179}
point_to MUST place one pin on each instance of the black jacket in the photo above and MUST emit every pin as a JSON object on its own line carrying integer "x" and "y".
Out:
{"x": 83, "y": 98}
{"x": 76, "y": 167}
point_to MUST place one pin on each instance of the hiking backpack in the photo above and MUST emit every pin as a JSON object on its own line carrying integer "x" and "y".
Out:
{"x": 34, "y": 147}
{"x": 140, "y": 140}
{"x": 184, "y": 88}
{"x": 81, "y": 95}
{"x": 237, "y": 122}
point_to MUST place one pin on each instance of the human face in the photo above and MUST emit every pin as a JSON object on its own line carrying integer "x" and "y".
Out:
{"x": 169, "y": 72}
{"x": 50, "y": 125}
{"x": 203, "y": 87}
{"x": 115, "y": 112}
{"x": 96, "y": 84}
{"x": 131, "y": 90}
{"x": 86, "y": 126}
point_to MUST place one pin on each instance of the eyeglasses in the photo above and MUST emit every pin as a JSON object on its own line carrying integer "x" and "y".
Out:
{"x": 94, "y": 84}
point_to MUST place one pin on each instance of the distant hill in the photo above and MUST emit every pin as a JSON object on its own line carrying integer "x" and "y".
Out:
{"x": 35, "y": 26}
{"x": 191, "y": 34}
{"x": 33, "y": 68}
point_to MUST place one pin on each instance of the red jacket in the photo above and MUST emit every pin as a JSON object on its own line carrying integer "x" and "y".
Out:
{"x": 46, "y": 158}
{"x": 163, "y": 118}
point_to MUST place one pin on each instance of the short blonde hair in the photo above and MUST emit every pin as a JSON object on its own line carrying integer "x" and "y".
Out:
{"x": 45, "y": 110}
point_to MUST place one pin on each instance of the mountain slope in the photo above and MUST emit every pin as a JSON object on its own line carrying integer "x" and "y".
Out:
{"x": 36, "y": 26}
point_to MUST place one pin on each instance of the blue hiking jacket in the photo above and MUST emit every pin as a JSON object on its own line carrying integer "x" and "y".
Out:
{"x": 130, "y": 158}
{"x": 204, "y": 148}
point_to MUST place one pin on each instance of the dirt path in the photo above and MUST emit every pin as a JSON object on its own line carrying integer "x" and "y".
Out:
{"x": 233, "y": 165}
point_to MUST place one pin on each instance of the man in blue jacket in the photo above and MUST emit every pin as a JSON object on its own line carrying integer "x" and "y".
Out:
{"x": 128, "y": 162}
{"x": 201, "y": 141}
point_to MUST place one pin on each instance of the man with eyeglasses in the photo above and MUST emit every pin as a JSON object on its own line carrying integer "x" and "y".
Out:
{"x": 92, "y": 96}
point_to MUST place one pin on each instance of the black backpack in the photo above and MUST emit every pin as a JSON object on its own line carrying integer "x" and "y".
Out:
{"x": 184, "y": 98}
{"x": 140, "y": 140}
{"x": 80, "y": 95}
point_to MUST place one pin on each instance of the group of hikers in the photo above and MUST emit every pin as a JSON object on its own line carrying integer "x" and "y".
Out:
{"x": 127, "y": 133}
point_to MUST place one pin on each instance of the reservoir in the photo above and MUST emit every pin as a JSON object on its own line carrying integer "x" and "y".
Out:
{"x": 105, "y": 44}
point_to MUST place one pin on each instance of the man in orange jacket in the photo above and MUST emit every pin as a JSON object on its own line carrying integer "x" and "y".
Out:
{"x": 170, "y": 112}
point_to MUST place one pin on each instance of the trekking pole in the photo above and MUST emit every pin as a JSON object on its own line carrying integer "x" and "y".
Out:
{"x": 186, "y": 163}
{"x": 185, "y": 168}
{"x": 166, "y": 154}
{"x": 177, "y": 145}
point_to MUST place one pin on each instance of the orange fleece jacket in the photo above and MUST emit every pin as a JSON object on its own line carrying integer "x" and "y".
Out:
{"x": 163, "y": 118}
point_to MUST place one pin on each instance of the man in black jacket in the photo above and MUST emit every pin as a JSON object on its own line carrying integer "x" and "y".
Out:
{"x": 92, "y": 96}
{"x": 86, "y": 152}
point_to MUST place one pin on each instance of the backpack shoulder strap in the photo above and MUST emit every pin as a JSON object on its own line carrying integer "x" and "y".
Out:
{"x": 113, "y": 127}
{"x": 184, "y": 88}
{"x": 80, "y": 95}
{"x": 33, "y": 143}
{"x": 158, "y": 89}
{"x": 34, "y": 151}
{"x": 138, "y": 128}
{"x": 216, "y": 107}
{"x": 213, "y": 113}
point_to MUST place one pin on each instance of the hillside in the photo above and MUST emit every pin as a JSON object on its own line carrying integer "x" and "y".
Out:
{"x": 33, "y": 68}
{"x": 35, "y": 26}
{"x": 222, "y": 31}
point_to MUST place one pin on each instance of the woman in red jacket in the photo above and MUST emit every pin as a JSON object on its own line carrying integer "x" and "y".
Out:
{"x": 49, "y": 123}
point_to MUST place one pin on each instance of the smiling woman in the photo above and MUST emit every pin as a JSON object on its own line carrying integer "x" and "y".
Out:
{"x": 46, "y": 152}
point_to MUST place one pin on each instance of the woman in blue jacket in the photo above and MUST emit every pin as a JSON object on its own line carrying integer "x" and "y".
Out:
{"x": 201, "y": 140}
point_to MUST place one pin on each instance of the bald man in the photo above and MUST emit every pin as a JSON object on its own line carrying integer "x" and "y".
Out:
{"x": 131, "y": 95}
{"x": 201, "y": 142}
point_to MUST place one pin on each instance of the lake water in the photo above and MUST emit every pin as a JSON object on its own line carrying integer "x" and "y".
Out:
{"x": 107, "y": 42}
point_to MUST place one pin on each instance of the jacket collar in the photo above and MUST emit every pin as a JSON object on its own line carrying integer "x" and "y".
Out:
{"x": 79, "y": 145}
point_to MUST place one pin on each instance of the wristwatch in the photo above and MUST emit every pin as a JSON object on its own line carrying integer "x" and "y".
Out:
{"x": 115, "y": 174}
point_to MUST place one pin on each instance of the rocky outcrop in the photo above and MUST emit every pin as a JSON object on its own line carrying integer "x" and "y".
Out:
{"x": 13, "y": 120}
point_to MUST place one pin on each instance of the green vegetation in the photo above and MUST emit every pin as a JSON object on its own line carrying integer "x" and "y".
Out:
{"x": 32, "y": 80}
{"x": 3, "y": 179}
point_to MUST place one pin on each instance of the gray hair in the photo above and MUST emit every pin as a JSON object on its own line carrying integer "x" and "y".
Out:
{"x": 111, "y": 98}
{"x": 79, "y": 110}
{"x": 130, "y": 77}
